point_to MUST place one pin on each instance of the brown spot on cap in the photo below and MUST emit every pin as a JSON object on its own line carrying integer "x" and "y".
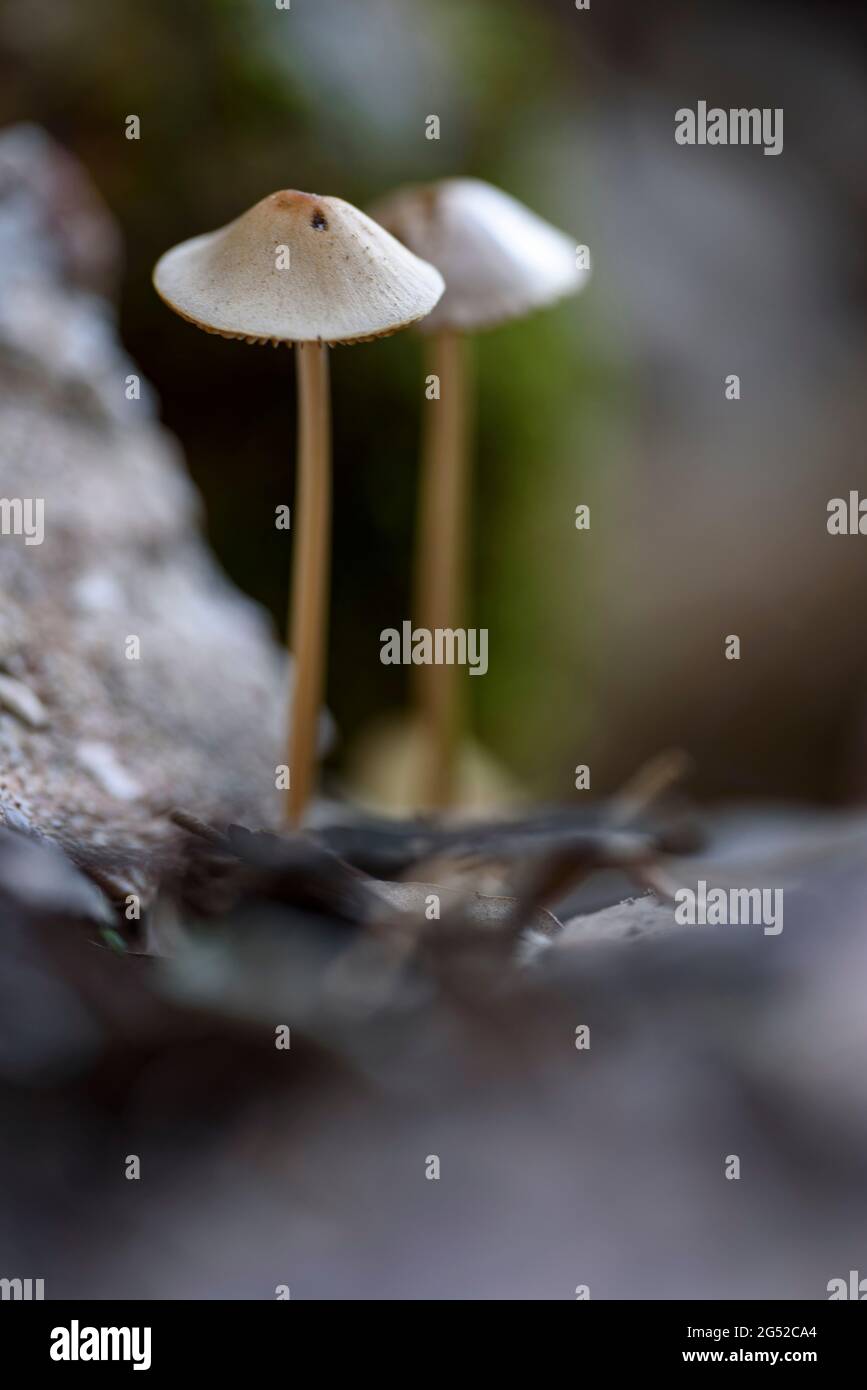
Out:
{"x": 319, "y": 222}
{"x": 291, "y": 198}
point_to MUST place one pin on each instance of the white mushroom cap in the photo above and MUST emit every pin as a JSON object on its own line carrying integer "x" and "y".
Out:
{"x": 500, "y": 260}
{"x": 346, "y": 279}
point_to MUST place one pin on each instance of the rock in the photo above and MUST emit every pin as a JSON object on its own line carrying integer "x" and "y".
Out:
{"x": 37, "y": 877}
{"x": 18, "y": 699}
{"x": 633, "y": 920}
{"x": 133, "y": 676}
{"x": 413, "y": 900}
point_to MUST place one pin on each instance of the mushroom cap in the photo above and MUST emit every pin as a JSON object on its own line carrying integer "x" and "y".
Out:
{"x": 346, "y": 279}
{"x": 500, "y": 260}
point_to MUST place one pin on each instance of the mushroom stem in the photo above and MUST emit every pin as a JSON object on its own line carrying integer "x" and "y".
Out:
{"x": 310, "y": 571}
{"x": 441, "y": 562}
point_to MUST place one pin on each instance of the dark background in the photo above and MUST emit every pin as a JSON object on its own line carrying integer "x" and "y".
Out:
{"x": 708, "y": 516}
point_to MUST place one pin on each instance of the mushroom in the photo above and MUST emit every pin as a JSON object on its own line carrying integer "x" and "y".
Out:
{"x": 314, "y": 272}
{"x": 500, "y": 262}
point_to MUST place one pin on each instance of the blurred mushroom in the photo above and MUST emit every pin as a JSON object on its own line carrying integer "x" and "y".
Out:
{"x": 313, "y": 272}
{"x": 500, "y": 261}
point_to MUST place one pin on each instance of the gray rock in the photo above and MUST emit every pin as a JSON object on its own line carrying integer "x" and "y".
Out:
{"x": 97, "y": 740}
{"x": 632, "y": 920}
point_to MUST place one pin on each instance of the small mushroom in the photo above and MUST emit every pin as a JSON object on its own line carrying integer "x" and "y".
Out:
{"x": 500, "y": 261}
{"x": 311, "y": 272}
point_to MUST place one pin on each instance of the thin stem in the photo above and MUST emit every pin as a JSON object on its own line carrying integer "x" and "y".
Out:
{"x": 311, "y": 524}
{"x": 441, "y": 562}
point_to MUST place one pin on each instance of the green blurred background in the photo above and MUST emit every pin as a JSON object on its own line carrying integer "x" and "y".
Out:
{"x": 708, "y": 519}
